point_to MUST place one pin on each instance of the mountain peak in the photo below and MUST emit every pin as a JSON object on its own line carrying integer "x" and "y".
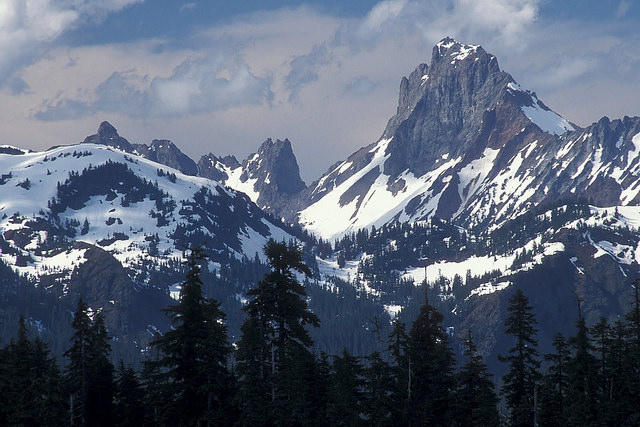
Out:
{"x": 449, "y": 52}
{"x": 166, "y": 152}
{"x": 450, "y": 47}
{"x": 276, "y": 159}
{"x": 107, "y": 129}
{"x": 108, "y": 135}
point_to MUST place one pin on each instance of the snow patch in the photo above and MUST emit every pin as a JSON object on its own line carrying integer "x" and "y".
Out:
{"x": 546, "y": 120}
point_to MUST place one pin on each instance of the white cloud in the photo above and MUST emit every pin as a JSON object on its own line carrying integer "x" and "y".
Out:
{"x": 381, "y": 13}
{"x": 568, "y": 69}
{"x": 360, "y": 86}
{"x": 305, "y": 69}
{"x": 507, "y": 21}
{"x": 188, "y": 6}
{"x": 195, "y": 86}
{"x": 623, "y": 8}
{"x": 327, "y": 83}
{"x": 29, "y": 26}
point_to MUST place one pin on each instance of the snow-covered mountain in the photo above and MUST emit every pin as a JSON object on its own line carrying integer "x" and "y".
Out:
{"x": 270, "y": 177}
{"x": 94, "y": 220}
{"x": 468, "y": 143}
{"x": 106, "y": 197}
{"x": 475, "y": 186}
{"x": 160, "y": 151}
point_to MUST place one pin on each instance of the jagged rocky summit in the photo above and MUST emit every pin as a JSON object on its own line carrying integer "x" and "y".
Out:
{"x": 467, "y": 143}
{"x": 529, "y": 200}
{"x": 161, "y": 151}
{"x": 271, "y": 176}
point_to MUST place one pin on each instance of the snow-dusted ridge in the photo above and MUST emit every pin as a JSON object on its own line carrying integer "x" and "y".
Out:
{"x": 30, "y": 183}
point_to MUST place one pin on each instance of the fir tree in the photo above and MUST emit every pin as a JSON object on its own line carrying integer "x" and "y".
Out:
{"x": 274, "y": 361}
{"x": 253, "y": 396}
{"x": 606, "y": 375}
{"x": 553, "y": 391}
{"x": 475, "y": 400}
{"x": 191, "y": 370}
{"x": 582, "y": 406}
{"x": 31, "y": 383}
{"x": 128, "y": 398}
{"x": 401, "y": 369}
{"x": 101, "y": 386}
{"x": 632, "y": 365}
{"x": 346, "y": 392}
{"x": 89, "y": 374}
{"x": 431, "y": 368}
{"x": 379, "y": 387}
{"x": 519, "y": 384}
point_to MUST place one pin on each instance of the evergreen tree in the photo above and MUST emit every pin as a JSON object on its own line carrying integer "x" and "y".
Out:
{"x": 101, "y": 386}
{"x": 431, "y": 368}
{"x": 602, "y": 334}
{"x": 48, "y": 401}
{"x": 77, "y": 374}
{"x": 582, "y": 406}
{"x": 89, "y": 374}
{"x": 519, "y": 384}
{"x": 474, "y": 400}
{"x": 553, "y": 391}
{"x": 274, "y": 363}
{"x": 30, "y": 383}
{"x": 621, "y": 406}
{"x": 191, "y": 371}
{"x": 253, "y": 397}
{"x": 401, "y": 370}
{"x": 321, "y": 392}
{"x": 379, "y": 387}
{"x": 129, "y": 398}
{"x": 632, "y": 365}
{"x": 346, "y": 392}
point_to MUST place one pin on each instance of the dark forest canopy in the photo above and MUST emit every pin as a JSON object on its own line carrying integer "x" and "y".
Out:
{"x": 274, "y": 376}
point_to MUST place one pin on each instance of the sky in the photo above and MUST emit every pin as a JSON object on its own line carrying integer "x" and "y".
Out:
{"x": 222, "y": 76}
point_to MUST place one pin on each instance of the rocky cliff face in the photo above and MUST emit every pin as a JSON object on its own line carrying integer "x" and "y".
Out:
{"x": 165, "y": 152}
{"x": 160, "y": 151}
{"x": 270, "y": 177}
{"x": 108, "y": 135}
{"x": 467, "y": 143}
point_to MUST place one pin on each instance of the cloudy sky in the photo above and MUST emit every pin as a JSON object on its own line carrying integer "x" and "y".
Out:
{"x": 222, "y": 76}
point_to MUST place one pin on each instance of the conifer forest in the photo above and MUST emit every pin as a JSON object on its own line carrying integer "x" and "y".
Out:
{"x": 193, "y": 375}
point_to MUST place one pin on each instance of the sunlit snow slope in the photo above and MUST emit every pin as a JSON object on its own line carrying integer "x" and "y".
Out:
{"x": 130, "y": 206}
{"x": 468, "y": 144}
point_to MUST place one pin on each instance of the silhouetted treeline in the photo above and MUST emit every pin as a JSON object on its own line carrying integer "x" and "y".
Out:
{"x": 193, "y": 375}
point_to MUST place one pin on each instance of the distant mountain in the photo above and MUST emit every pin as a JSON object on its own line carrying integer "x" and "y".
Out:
{"x": 161, "y": 150}
{"x": 270, "y": 177}
{"x": 475, "y": 188}
{"x": 466, "y": 143}
{"x": 97, "y": 221}
{"x": 531, "y": 201}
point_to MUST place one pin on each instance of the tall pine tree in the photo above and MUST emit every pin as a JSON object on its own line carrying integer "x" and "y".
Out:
{"x": 553, "y": 390}
{"x": 519, "y": 384}
{"x": 346, "y": 392}
{"x": 191, "y": 371}
{"x": 274, "y": 361}
{"x": 401, "y": 368}
{"x": 129, "y": 398}
{"x": 632, "y": 365}
{"x": 379, "y": 386}
{"x": 474, "y": 400}
{"x": 582, "y": 405}
{"x": 30, "y": 383}
{"x": 431, "y": 368}
{"x": 89, "y": 374}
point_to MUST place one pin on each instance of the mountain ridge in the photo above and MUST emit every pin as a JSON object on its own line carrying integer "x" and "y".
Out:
{"x": 475, "y": 187}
